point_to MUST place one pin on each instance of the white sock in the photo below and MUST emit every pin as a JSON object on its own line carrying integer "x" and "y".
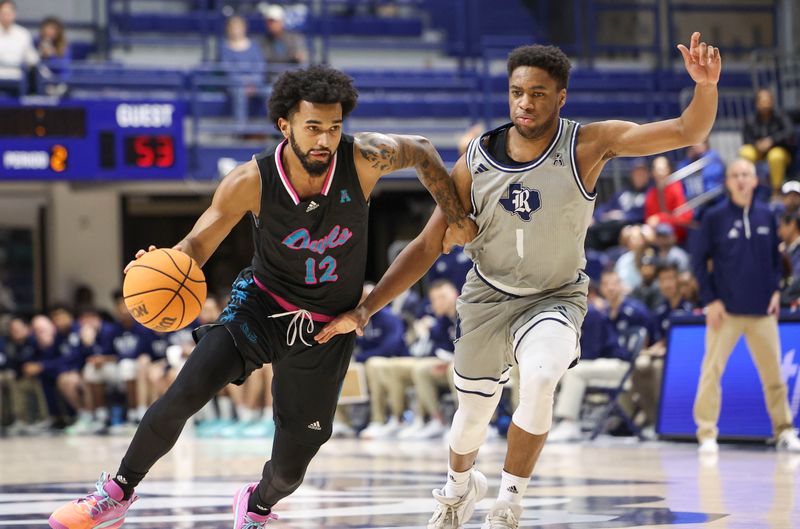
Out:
{"x": 84, "y": 415}
{"x": 140, "y": 411}
{"x": 266, "y": 413}
{"x": 206, "y": 413}
{"x": 246, "y": 414}
{"x": 512, "y": 488}
{"x": 101, "y": 414}
{"x": 225, "y": 408}
{"x": 131, "y": 415}
{"x": 457, "y": 483}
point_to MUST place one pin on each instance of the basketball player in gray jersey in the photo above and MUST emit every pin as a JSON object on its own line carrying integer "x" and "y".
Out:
{"x": 530, "y": 186}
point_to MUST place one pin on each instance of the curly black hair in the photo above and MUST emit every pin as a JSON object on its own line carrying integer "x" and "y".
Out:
{"x": 316, "y": 84}
{"x": 549, "y": 58}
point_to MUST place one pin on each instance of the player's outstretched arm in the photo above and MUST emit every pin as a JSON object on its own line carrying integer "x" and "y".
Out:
{"x": 238, "y": 193}
{"x": 609, "y": 139}
{"x": 409, "y": 266}
{"x": 379, "y": 154}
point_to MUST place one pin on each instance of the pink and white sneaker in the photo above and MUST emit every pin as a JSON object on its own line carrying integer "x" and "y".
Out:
{"x": 102, "y": 509}
{"x": 248, "y": 520}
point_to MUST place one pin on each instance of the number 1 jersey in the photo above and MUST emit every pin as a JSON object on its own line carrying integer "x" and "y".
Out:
{"x": 312, "y": 252}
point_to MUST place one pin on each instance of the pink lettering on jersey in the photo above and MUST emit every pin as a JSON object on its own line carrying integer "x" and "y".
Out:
{"x": 301, "y": 240}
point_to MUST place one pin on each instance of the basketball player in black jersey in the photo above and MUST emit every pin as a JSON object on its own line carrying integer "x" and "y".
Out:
{"x": 308, "y": 202}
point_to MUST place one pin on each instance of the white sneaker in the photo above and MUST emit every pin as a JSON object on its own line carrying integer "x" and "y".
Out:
{"x": 370, "y": 431}
{"x": 453, "y": 513}
{"x": 788, "y": 442}
{"x": 565, "y": 431}
{"x": 504, "y": 515}
{"x": 342, "y": 431}
{"x": 411, "y": 431}
{"x": 431, "y": 430}
{"x": 382, "y": 431}
{"x": 708, "y": 446}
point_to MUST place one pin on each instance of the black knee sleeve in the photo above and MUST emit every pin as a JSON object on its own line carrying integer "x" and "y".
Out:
{"x": 286, "y": 470}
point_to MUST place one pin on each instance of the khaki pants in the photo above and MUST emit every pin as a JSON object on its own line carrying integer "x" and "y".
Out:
{"x": 761, "y": 334}
{"x": 431, "y": 374}
{"x": 21, "y": 391}
{"x": 605, "y": 371}
{"x": 646, "y": 380}
{"x": 778, "y": 160}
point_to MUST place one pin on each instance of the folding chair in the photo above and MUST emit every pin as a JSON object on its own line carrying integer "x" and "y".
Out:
{"x": 635, "y": 340}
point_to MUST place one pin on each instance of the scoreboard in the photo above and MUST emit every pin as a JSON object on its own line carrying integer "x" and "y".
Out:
{"x": 106, "y": 139}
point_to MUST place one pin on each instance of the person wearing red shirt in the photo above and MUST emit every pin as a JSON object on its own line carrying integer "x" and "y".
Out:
{"x": 663, "y": 200}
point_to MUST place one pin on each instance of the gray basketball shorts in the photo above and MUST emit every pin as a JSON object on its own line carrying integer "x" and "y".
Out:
{"x": 492, "y": 323}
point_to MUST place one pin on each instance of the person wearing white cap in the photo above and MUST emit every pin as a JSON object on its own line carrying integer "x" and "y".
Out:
{"x": 280, "y": 44}
{"x": 790, "y": 196}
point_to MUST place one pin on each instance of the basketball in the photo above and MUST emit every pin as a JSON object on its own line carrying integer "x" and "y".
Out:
{"x": 164, "y": 290}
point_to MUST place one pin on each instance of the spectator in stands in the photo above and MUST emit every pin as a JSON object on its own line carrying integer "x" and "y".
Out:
{"x": 602, "y": 360}
{"x": 769, "y": 135}
{"x": 624, "y": 208}
{"x": 100, "y": 363}
{"x": 666, "y": 202}
{"x": 790, "y": 196}
{"x": 244, "y": 63}
{"x": 382, "y": 340}
{"x": 690, "y": 290}
{"x": 16, "y": 44}
{"x": 666, "y": 250}
{"x": 280, "y": 44}
{"x": 70, "y": 362}
{"x": 624, "y": 312}
{"x": 789, "y": 232}
{"x": 54, "y": 52}
{"x": 434, "y": 372}
{"x": 627, "y": 266}
{"x": 711, "y": 177}
{"x": 647, "y": 292}
{"x": 452, "y": 267}
{"x": 24, "y": 389}
{"x": 650, "y": 362}
{"x": 741, "y": 295}
{"x": 132, "y": 345}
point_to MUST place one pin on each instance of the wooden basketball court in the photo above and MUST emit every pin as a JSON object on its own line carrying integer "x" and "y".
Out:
{"x": 370, "y": 484}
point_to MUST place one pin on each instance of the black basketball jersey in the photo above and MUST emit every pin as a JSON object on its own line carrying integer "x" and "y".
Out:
{"x": 312, "y": 252}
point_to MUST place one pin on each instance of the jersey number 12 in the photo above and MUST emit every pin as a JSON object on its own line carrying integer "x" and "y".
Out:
{"x": 328, "y": 268}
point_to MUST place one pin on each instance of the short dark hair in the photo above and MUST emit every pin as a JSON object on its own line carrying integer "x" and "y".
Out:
{"x": 441, "y": 282}
{"x": 59, "y": 305}
{"x": 4, "y": 2}
{"x": 316, "y": 84}
{"x": 668, "y": 266}
{"x": 791, "y": 218}
{"x": 549, "y": 58}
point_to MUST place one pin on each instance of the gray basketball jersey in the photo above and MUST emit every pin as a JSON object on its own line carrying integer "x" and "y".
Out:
{"x": 532, "y": 219}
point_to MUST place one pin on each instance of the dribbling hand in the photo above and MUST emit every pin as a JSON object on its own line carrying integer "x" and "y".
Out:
{"x": 354, "y": 320}
{"x": 703, "y": 61}
{"x": 141, "y": 253}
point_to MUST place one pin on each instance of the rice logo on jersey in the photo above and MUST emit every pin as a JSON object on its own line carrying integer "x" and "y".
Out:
{"x": 521, "y": 201}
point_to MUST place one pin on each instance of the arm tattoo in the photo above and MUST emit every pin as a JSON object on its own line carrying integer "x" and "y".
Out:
{"x": 388, "y": 156}
{"x": 608, "y": 155}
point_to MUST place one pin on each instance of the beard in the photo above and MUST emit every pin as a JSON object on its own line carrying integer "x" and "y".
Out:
{"x": 314, "y": 168}
{"x": 537, "y": 131}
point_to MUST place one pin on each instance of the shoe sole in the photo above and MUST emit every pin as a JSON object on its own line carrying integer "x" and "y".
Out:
{"x": 109, "y": 524}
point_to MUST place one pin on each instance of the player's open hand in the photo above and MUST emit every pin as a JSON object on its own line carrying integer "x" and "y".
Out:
{"x": 703, "y": 61}
{"x": 354, "y": 320}
{"x": 459, "y": 234}
{"x": 140, "y": 253}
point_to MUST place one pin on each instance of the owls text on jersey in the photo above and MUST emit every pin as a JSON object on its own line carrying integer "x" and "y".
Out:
{"x": 532, "y": 218}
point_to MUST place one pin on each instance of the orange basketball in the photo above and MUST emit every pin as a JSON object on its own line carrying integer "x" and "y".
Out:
{"x": 164, "y": 290}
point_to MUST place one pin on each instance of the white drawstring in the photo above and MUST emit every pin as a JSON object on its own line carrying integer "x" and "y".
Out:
{"x": 297, "y": 321}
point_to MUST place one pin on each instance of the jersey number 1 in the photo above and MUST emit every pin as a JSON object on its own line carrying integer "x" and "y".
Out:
{"x": 327, "y": 266}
